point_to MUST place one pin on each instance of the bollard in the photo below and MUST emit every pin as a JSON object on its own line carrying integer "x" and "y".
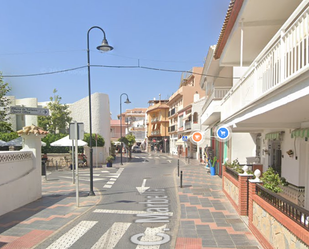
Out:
{"x": 178, "y": 167}
{"x": 180, "y": 179}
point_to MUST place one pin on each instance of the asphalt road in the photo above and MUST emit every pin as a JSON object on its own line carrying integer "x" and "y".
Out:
{"x": 139, "y": 207}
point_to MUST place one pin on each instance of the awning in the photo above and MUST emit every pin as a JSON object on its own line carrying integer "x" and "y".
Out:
{"x": 300, "y": 133}
{"x": 273, "y": 135}
{"x": 179, "y": 142}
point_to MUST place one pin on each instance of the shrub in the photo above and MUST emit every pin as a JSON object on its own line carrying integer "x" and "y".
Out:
{"x": 271, "y": 180}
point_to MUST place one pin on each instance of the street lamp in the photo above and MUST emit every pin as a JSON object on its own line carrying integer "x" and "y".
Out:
{"x": 104, "y": 47}
{"x": 127, "y": 102}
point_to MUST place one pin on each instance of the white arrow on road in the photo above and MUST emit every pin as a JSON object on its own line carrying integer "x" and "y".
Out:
{"x": 142, "y": 189}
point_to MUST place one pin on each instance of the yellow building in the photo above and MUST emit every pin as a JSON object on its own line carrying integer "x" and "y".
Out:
{"x": 157, "y": 126}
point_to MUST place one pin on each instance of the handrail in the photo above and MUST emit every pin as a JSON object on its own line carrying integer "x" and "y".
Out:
{"x": 290, "y": 209}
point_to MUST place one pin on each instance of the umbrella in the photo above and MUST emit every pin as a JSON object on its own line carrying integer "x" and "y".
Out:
{"x": 66, "y": 141}
{"x": 18, "y": 142}
{"x": 2, "y": 143}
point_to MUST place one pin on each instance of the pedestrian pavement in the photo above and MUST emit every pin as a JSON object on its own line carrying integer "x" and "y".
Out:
{"x": 207, "y": 219}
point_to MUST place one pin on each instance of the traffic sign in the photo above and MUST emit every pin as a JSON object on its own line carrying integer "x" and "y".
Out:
{"x": 80, "y": 131}
{"x": 185, "y": 138}
{"x": 39, "y": 111}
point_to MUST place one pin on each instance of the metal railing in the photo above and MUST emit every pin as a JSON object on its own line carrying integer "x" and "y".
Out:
{"x": 232, "y": 172}
{"x": 290, "y": 209}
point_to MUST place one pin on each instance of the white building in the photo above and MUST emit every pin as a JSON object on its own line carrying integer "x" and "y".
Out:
{"x": 79, "y": 111}
{"x": 263, "y": 46}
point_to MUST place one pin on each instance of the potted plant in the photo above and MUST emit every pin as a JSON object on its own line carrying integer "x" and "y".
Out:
{"x": 109, "y": 161}
{"x": 212, "y": 164}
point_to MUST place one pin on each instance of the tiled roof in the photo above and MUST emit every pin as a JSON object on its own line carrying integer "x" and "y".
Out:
{"x": 32, "y": 129}
{"x": 230, "y": 18}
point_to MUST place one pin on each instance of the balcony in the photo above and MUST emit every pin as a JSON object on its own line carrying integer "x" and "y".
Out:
{"x": 212, "y": 107}
{"x": 155, "y": 133}
{"x": 283, "y": 59}
{"x": 154, "y": 120}
{"x": 217, "y": 94}
{"x": 188, "y": 125}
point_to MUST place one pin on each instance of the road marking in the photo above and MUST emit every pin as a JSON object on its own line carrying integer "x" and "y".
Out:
{"x": 151, "y": 238}
{"x": 112, "y": 236}
{"x": 69, "y": 238}
{"x": 113, "y": 211}
{"x": 170, "y": 161}
{"x": 142, "y": 189}
{"x": 113, "y": 178}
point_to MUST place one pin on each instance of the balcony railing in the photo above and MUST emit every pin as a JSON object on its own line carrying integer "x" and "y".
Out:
{"x": 155, "y": 120}
{"x": 218, "y": 93}
{"x": 294, "y": 212}
{"x": 285, "y": 56}
{"x": 188, "y": 125}
{"x": 156, "y": 132}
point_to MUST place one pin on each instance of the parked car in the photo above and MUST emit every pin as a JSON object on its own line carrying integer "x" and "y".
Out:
{"x": 136, "y": 149}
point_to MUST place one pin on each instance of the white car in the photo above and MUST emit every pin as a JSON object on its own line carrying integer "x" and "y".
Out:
{"x": 136, "y": 149}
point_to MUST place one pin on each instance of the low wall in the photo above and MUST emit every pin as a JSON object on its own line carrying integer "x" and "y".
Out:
{"x": 273, "y": 228}
{"x": 19, "y": 181}
{"x": 236, "y": 190}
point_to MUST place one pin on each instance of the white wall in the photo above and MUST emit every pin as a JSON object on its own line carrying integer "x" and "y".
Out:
{"x": 20, "y": 178}
{"x": 243, "y": 145}
{"x": 100, "y": 116}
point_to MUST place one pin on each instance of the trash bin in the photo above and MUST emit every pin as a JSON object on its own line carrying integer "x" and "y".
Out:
{"x": 43, "y": 168}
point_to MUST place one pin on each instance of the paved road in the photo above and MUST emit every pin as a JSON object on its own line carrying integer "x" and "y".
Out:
{"x": 139, "y": 208}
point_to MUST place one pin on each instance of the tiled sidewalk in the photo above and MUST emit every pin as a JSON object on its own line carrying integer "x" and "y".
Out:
{"x": 208, "y": 220}
{"x": 27, "y": 226}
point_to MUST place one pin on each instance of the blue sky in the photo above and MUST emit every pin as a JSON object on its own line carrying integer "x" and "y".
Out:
{"x": 41, "y": 36}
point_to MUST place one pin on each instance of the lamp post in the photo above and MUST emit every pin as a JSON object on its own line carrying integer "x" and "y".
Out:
{"x": 127, "y": 102}
{"x": 105, "y": 48}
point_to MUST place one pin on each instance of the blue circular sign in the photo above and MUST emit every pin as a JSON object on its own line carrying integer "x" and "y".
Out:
{"x": 223, "y": 133}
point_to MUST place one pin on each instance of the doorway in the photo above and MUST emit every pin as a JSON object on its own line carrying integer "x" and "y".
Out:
{"x": 275, "y": 156}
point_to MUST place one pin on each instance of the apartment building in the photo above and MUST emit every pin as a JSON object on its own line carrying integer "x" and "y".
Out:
{"x": 180, "y": 112}
{"x": 157, "y": 126}
{"x": 136, "y": 123}
{"x": 262, "y": 56}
